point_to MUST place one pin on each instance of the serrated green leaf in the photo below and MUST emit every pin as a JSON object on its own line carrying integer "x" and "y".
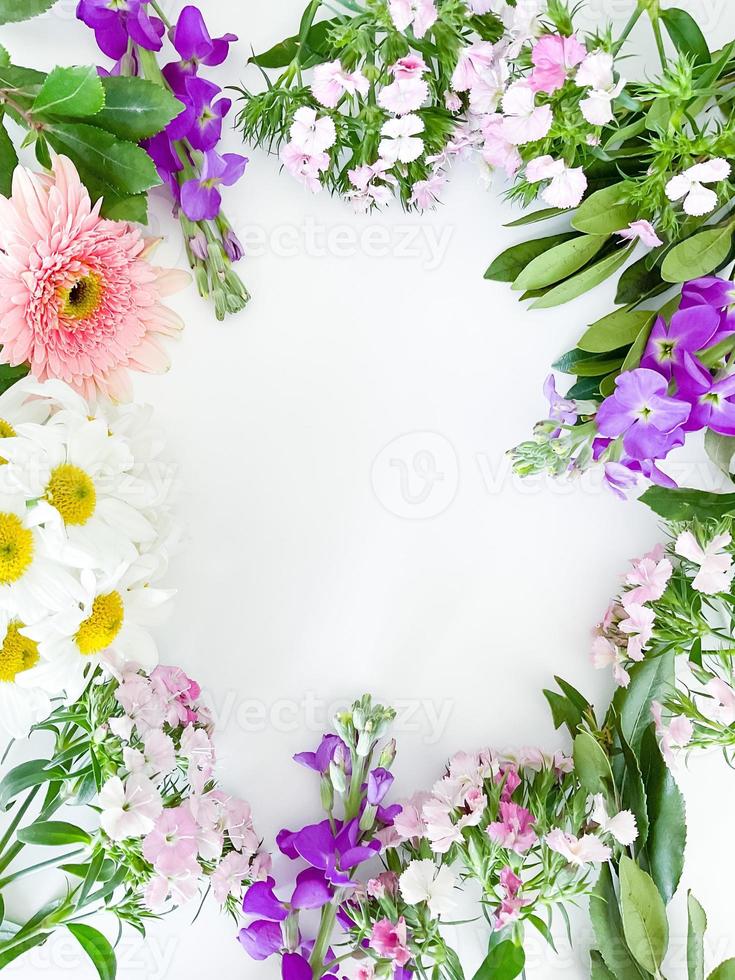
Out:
{"x": 615, "y": 330}
{"x": 696, "y": 928}
{"x": 605, "y": 212}
{"x": 120, "y": 164}
{"x": 74, "y": 91}
{"x": 136, "y": 109}
{"x": 510, "y": 263}
{"x": 97, "y": 948}
{"x": 699, "y": 255}
{"x": 8, "y": 162}
{"x": 651, "y": 680}
{"x": 585, "y": 280}
{"x": 559, "y": 262}
{"x": 13, "y": 11}
{"x": 667, "y": 830}
{"x": 633, "y": 792}
{"x": 645, "y": 925}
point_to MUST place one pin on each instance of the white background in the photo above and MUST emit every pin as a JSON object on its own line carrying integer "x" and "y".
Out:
{"x": 310, "y": 573}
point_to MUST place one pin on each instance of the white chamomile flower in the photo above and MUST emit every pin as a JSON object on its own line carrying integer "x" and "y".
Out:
{"x": 422, "y": 881}
{"x": 20, "y": 707}
{"x": 112, "y": 620}
{"x": 86, "y": 473}
{"x": 32, "y": 583}
{"x": 698, "y": 199}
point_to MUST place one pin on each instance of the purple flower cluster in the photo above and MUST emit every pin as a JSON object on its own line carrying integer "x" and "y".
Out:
{"x": 673, "y": 392}
{"x": 185, "y": 153}
{"x": 332, "y": 851}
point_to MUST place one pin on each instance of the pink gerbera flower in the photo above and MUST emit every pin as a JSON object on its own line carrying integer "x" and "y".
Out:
{"x": 78, "y": 299}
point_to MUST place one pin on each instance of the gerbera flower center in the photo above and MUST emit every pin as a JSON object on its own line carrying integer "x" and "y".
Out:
{"x": 82, "y": 299}
{"x": 16, "y": 548}
{"x": 17, "y": 653}
{"x": 71, "y": 491}
{"x": 99, "y": 629}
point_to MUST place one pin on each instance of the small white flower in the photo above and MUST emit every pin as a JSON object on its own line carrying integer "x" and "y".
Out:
{"x": 622, "y": 826}
{"x": 596, "y": 74}
{"x": 566, "y": 184}
{"x": 401, "y": 141}
{"x": 588, "y": 849}
{"x": 524, "y": 121}
{"x": 311, "y": 134}
{"x": 698, "y": 199}
{"x": 715, "y": 565}
{"x": 129, "y": 809}
{"x": 422, "y": 881}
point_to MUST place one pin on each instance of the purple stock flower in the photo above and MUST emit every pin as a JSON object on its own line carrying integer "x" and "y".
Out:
{"x": 200, "y": 198}
{"x": 620, "y": 478}
{"x": 711, "y": 407}
{"x": 690, "y": 330}
{"x": 201, "y": 120}
{"x": 261, "y": 939}
{"x": 642, "y": 413}
{"x": 196, "y": 47}
{"x": 115, "y": 22}
{"x": 334, "y": 853}
{"x": 294, "y": 966}
{"x": 710, "y": 291}
{"x": 378, "y": 784}
{"x": 560, "y": 409}
{"x": 330, "y": 748}
{"x": 233, "y": 247}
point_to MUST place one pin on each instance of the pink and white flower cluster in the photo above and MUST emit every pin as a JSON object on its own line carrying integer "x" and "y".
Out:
{"x": 627, "y": 627}
{"x": 160, "y": 798}
{"x": 484, "y": 806}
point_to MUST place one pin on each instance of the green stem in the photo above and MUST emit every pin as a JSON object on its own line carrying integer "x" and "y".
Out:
{"x": 656, "y": 25}
{"x": 54, "y": 861}
{"x": 321, "y": 945}
{"x": 156, "y": 6}
{"x": 633, "y": 20}
{"x": 17, "y": 818}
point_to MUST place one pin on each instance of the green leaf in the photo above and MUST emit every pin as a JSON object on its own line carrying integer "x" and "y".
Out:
{"x": 133, "y": 208}
{"x": 8, "y": 955}
{"x": 26, "y": 776}
{"x": 685, "y": 505}
{"x": 53, "y": 833}
{"x": 650, "y": 680}
{"x": 535, "y": 216}
{"x": 8, "y": 162}
{"x": 667, "y": 833}
{"x": 70, "y": 92}
{"x": 2, "y": 910}
{"x": 120, "y": 165}
{"x": 504, "y": 962}
{"x": 698, "y": 255}
{"x": 605, "y": 212}
{"x": 697, "y": 926}
{"x": 615, "y": 330}
{"x": 684, "y": 31}
{"x": 12, "y": 11}
{"x": 591, "y": 764}
{"x": 314, "y": 50}
{"x": 608, "y": 929}
{"x": 598, "y": 970}
{"x": 638, "y": 281}
{"x": 97, "y": 948}
{"x": 725, "y": 971}
{"x": 634, "y": 355}
{"x": 586, "y": 365}
{"x": 720, "y": 449}
{"x": 564, "y": 712}
{"x": 645, "y": 925}
{"x": 510, "y": 263}
{"x": 135, "y": 108}
{"x": 585, "y": 280}
{"x": 559, "y": 262}
{"x": 633, "y": 792}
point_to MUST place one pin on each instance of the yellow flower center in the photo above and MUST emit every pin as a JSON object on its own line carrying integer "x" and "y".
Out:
{"x": 82, "y": 299}
{"x": 71, "y": 491}
{"x": 6, "y": 430}
{"x": 16, "y": 548}
{"x": 98, "y": 631}
{"x": 17, "y": 653}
